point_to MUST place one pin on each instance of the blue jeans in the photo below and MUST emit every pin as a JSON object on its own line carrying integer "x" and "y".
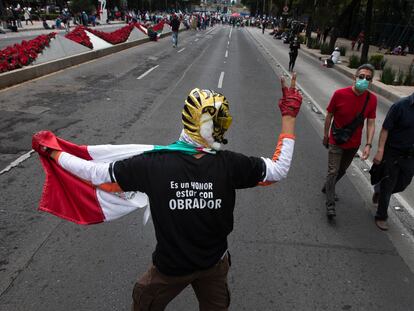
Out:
{"x": 175, "y": 37}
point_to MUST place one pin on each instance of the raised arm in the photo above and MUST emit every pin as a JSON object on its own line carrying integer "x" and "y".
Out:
{"x": 278, "y": 166}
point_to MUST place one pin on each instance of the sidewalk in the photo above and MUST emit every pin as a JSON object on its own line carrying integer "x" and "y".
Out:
{"x": 391, "y": 92}
{"x": 38, "y": 26}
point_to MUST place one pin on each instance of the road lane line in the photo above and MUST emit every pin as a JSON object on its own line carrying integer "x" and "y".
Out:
{"x": 181, "y": 50}
{"x": 231, "y": 29}
{"x": 227, "y": 54}
{"x": 147, "y": 72}
{"x": 220, "y": 82}
{"x": 17, "y": 161}
{"x": 195, "y": 40}
{"x": 228, "y": 42}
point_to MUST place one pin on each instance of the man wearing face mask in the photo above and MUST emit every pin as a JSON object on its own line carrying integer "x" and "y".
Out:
{"x": 346, "y": 113}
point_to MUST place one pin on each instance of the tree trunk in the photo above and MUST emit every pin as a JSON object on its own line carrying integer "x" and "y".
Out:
{"x": 337, "y": 29}
{"x": 367, "y": 29}
{"x": 309, "y": 32}
{"x": 332, "y": 38}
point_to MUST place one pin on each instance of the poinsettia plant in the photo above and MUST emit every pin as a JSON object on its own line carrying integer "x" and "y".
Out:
{"x": 23, "y": 54}
{"x": 79, "y": 35}
{"x": 118, "y": 36}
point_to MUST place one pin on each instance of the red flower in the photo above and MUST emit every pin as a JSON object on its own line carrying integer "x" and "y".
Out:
{"x": 115, "y": 37}
{"x": 19, "y": 55}
{"x": 23, "y": 59}
{"x": 79, "y": 36}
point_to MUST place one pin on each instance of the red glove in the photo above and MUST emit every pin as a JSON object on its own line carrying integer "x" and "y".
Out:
{"x": 44, "y": 143}
{"x": 289, "y": 104}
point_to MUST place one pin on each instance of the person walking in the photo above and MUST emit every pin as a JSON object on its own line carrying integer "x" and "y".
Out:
{"x": 264, "y": 25}
{"x": 191, "y": 194}
{"x": 175, "y": 26}
{"x": 27, "y": 16}
{"x": 346, "y": 113}
{"x": 360, "y": 40}
{"x": 293, "y": 52}
{"x": 394, "y": 160}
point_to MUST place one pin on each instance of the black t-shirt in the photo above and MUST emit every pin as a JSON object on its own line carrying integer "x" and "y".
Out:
{"x": 175, "y": 24}
{"x": 400, "y": 125}
{"x": 191, "y": 201}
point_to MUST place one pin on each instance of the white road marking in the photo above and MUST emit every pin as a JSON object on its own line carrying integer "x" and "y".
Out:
{"x": 147, "y": 72}
{"x": 228, "y": 42}
{"x": 17, "y": 161}
{"x": 220, "y": 82}
{"x": 181, "y": 50}
{"x": 195, "y": 40}
{"x": 231, "y": 29}
{"x": 227, "y": 54}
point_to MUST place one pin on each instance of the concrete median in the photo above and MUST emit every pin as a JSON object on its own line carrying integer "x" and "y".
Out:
{"x": 18, "y": 76}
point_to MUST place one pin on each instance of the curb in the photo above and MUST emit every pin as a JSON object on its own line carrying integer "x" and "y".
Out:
{"x": 21, "y": 75}
{"x": 373, "y": 87}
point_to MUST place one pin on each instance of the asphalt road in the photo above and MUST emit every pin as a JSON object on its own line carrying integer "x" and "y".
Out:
{"x": 285, "y": 254}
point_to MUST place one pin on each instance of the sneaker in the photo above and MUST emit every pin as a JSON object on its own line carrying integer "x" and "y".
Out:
{"x": 381, "y": 224}
{"x": 336, "y": 196}
{"x": 375, "y": 197}
{"x": 330, "y": 211}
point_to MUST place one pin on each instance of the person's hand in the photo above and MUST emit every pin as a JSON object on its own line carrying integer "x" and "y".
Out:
{"x": 378, "y": 157}
{"x": 44, "y": 142}
{"x": 365, "y": 152}
{"x": 325, "y": 142}
{"x": 291, "y": 101}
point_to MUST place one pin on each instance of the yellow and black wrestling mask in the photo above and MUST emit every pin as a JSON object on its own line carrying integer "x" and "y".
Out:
{"x": 206, "y": 117}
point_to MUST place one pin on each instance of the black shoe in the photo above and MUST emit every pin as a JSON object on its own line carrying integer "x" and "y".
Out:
{"x": 330, "y": 211}
{"x": 336, "y": 196}
{"x": 381, "y": 224}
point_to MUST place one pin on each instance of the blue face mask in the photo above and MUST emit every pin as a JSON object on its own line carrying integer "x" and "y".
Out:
{"x": 361, "y": 85}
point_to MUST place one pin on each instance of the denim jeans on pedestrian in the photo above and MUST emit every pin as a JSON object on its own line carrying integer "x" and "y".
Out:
{"x": 175, "y": 38}
{"x": 338, "y": 162}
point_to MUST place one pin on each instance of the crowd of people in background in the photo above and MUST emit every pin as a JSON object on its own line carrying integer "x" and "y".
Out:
{"x": 18, "y": 16}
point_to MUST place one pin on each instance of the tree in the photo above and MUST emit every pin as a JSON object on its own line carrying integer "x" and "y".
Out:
{"x": 77, "y": 6}
{"x": 367, "y": 29}
{"x": 337, "y": 28}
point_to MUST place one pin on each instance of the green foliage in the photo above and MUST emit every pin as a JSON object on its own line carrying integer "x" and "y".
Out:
{"x": 342, "y": 50}
{"x": 314, "y": 44}
{"x": 378, "y": 61}
{"x": 77, "y": 6}
{"x": 49, "y": 17}
{"x": 388, "y": 75}
{"x": 400, "y": 77}
{"x": 409, "y": 78}
{"x": 354, "y": 61}
{"x": 325, "y": 50}
{"x": 302, "y": 39}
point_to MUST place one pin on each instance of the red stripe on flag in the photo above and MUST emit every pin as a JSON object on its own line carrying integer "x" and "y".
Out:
{"x": 64, "y": 194}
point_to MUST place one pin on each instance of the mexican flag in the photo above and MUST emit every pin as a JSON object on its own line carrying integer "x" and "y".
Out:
{"x": 68, "y": 196}
{"x": 154, "y": 32}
